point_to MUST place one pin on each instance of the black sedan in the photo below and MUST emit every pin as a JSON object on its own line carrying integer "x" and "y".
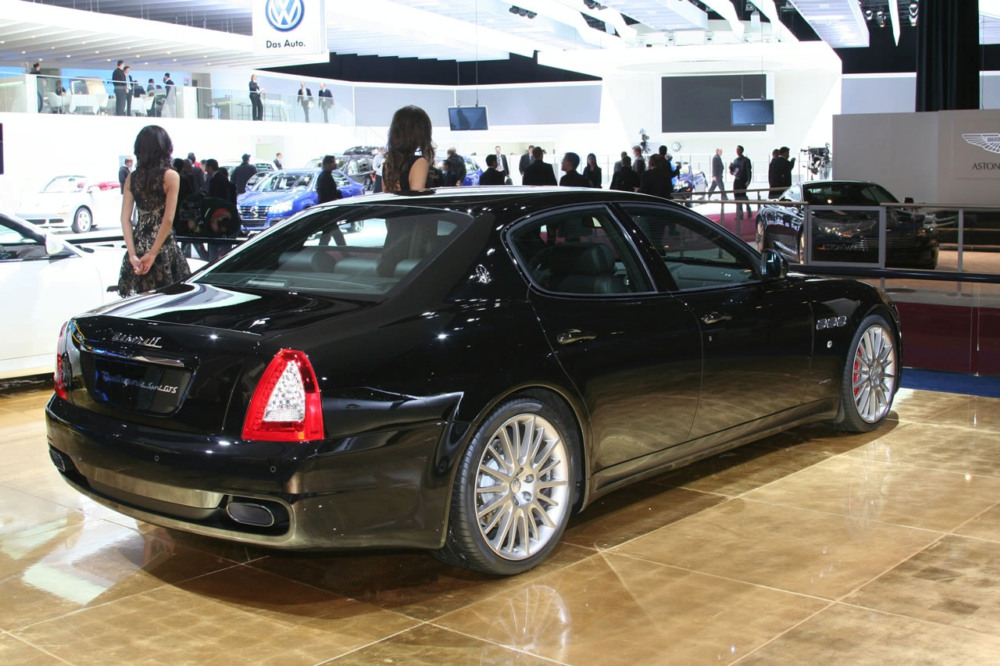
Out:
{"x": 848, "y": 235}
{"x": 462, "y": 375}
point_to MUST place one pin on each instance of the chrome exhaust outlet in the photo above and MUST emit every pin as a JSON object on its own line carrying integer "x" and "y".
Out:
{"x": 250, "y": 513}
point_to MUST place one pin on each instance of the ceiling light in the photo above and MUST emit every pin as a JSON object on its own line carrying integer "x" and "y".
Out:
{"x": 914, "y": 11}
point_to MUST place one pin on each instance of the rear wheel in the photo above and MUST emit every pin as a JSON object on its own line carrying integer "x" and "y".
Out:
{"x": 83, "y": 220}
{"x": 870, "y": 376}
{"x": 514, "y": 490}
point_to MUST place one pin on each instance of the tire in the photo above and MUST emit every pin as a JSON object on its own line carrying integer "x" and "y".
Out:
{"x": 870, "y": 376}
{"x": 513, "y": 493}
{"x": 83, "y": 220}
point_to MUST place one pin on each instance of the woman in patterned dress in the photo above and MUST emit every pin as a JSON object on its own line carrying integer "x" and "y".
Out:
{"x": 153, "y": 258}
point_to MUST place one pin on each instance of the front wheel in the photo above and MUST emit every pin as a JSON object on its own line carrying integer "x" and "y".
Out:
{"x": 514, "y": 490}
{"x": 870, "y": 375}
{"x": 83, "y": 220}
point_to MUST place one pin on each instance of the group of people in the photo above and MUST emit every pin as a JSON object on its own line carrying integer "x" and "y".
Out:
{"x": 779, "y": 171}
{"x": 126, "y": 89}
{"x": 304, "y": 95}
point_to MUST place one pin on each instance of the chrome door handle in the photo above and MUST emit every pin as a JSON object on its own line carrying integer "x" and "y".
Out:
{"x": 714, "y": 318}
{"x": 574, "y": 335}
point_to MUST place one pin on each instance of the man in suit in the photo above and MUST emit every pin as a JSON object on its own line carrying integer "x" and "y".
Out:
{"x": 638, "y": 163}
{"x": 242, "y": 173}
{"x": 742, "y": 172}
{"x": 120, "y": 82}
{"x": 129, "y": 86}
{"x": 219, "y": 185}
{"x": 572, "y": 177}
{"x": 492, "y": 175}
{"x": 718, "y": 176}
{"x": 170, "y": 101}
{"x": 325, "y": 101}
{"x": 326, "y": 187}
{"x": 538, "y": 172}
{"x": 305, "y": 99}
{"x": 502, "y": 165}
{"x": 526, "y": 159}
{"x": 277, "y": 161}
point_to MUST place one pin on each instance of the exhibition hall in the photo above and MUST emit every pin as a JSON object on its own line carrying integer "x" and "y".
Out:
{"x": 467, "y": 332}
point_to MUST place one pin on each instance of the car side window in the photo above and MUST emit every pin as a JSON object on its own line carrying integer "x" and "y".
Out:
{"x": 696, "y": 254}
{"x": 581, "y": 251}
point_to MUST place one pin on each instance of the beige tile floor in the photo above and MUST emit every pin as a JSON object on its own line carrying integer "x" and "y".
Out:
{"x": 809, "y": 547}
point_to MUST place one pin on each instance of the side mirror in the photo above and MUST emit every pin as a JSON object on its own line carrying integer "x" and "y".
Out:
{"x": 773, "y": 266}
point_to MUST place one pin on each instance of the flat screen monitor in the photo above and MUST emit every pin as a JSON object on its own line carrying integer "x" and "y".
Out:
{"x": 467, "y": 118}
{"x": 752, "y": 111}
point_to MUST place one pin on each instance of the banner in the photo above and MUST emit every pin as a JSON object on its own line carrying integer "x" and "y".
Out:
{"x": 289, "y": 28}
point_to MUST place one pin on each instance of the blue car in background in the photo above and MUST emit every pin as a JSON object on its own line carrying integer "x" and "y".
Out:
{"x": 280, "y": 194}
{"x": 472, "y": 169}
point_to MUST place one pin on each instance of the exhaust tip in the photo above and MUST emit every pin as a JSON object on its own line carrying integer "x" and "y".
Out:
{"x": 250, "y": 513}
{"x": 59, "y": 460}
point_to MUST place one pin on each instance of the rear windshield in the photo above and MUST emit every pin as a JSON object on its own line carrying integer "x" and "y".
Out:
{"x": 341, "y": 251}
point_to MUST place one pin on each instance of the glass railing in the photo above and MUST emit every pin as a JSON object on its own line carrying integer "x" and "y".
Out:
{"x": 28, "y": 93}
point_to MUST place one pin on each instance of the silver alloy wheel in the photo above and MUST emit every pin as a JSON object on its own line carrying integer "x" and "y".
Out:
{"x": 873, "y": 376}
{"x": 522, "y": 487}
{"x": 82, "y": 220}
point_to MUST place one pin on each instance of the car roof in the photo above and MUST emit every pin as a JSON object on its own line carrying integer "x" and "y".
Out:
{"x": 525, "y": 199}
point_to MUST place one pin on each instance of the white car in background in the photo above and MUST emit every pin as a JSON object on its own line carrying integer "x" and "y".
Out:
{"x": 43, "y": 282}
{"x": 72, "y": 203}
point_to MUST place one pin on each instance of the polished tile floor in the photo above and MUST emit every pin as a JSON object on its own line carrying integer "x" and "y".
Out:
{"x": 809, "y": 547}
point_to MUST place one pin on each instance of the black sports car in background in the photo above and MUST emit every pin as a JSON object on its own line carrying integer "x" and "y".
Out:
{"x": 461, "y": 375}
{"x": 848, "y": 235}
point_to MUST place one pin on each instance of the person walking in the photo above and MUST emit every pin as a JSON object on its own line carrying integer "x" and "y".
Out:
{"x": 718, "y": 179}
{"x": 326, "y": 187}
{"x": 152, "y": 258}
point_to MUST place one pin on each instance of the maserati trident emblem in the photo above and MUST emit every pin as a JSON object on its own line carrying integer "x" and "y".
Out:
{"x": 990, "y": 141}
{"x": 284, "y": 15}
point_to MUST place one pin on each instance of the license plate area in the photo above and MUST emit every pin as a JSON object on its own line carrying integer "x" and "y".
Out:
{"x": 139, "y": 386}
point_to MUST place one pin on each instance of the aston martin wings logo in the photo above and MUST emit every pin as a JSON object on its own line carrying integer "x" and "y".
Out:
{"x": 990, "y": 142}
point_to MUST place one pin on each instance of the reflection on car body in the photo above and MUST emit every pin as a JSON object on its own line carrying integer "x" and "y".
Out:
{"x": 461, "y": 376}
{"x": 848, "y": 235}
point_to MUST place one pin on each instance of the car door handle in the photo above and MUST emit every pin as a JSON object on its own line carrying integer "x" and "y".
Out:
{"x": 574, "y": 335}
{"x": 714, "y": 318}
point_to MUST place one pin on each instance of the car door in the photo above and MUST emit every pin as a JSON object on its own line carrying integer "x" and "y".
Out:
{"x": 633, "y": 354}
{"x": 756, "y": 334}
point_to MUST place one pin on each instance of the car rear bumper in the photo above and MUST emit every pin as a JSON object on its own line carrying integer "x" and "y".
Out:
{"x": 284, "y": 495}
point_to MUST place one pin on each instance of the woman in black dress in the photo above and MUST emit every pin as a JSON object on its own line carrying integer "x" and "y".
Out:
{"x": 153, "y": 258}
{"x": 257, "y": 110}
{"x": 592, "y": 172}
{"x": 410, "y": 152}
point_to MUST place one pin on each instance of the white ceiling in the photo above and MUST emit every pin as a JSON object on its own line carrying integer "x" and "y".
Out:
{"x": 191, "y": 35}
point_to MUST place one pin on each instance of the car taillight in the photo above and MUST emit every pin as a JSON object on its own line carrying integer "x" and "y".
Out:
{"x": 59, "y": 377}
{"x": 286, "y": 405}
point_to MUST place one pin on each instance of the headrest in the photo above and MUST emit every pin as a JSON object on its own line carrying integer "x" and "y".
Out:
{"x": 582, "y": 259}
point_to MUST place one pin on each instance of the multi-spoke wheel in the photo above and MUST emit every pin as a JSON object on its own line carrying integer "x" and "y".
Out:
{"x": 83, "y": 220}
{"x": 870, "y": 375}
{"x": 514, "y": 490}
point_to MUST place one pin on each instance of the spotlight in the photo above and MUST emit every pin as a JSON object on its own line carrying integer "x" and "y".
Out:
{"x": 880, "y": 17}
{"x": 914, "y": 11}
{"x": 514, "y": 9}
{"x": 869, "y": 14}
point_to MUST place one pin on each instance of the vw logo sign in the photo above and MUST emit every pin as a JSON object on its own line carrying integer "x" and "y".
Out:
{"x": 284, "y": 15}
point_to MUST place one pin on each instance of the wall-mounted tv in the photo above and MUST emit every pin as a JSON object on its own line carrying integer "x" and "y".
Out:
{"x": 467, "y": 118}
{"x": 752, "y": 111}
{"x": 702, "y": 103}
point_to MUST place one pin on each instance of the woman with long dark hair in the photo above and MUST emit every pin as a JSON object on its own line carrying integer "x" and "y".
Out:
{"x": 592, "y": 172}
{"x": 153, "y": 258}
{"x": 410, "y": 152}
